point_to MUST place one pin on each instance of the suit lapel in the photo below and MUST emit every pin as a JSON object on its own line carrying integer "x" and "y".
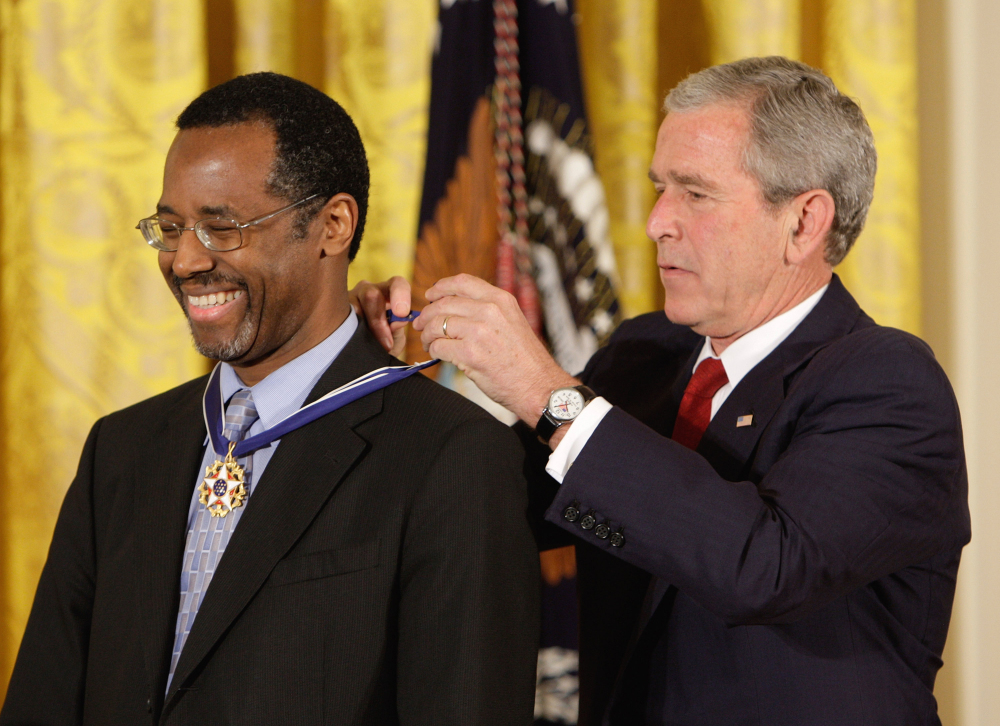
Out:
{"x": 168, "y": 478}
{"x": 730, "y": 447}
{"x": 677, "y": 391}
{"x": 305, "y": 470}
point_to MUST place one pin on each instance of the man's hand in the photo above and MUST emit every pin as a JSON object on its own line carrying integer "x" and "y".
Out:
{"x": 490, "y": 341}
{"x": 373, "y": 300}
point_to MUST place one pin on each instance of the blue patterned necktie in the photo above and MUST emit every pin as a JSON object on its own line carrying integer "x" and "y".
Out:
{"x": 209, "y": 536}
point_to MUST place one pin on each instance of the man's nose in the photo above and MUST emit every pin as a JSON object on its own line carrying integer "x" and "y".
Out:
{"x": 191, "y": 256}
{"x": 662, "y": 221}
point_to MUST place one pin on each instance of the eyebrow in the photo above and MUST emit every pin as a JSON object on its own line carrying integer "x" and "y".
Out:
{"x": 694, "y": 180}
{"x": 222, "y": 211}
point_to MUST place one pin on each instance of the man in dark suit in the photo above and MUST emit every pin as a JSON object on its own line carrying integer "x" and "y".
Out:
{"x": 385, "y": 572}
{"x": 769, "y": 492}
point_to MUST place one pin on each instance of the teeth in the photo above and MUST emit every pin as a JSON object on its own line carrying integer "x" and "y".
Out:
{"x": 215, "y": 299}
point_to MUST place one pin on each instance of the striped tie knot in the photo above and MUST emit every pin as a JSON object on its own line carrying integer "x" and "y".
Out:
{"x": 240, "y": 415}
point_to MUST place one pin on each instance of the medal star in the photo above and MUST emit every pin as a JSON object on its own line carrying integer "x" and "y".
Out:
{"x": 222, "y": 489}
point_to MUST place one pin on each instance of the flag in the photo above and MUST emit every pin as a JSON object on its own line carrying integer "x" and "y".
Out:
{"x": 511, "y": 195}
{"x": 510, "y": 190}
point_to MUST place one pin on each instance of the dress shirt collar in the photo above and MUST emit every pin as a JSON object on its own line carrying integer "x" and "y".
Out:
{"x": 750, "y": 349}
{"x": 285, "y": 390}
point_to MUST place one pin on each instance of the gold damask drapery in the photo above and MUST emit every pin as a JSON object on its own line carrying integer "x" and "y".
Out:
{"x": 870, "y": 50}
{"x": 378, "y": 65}
{"x": 618, "y": 45}
{"x": 88, "y": 93}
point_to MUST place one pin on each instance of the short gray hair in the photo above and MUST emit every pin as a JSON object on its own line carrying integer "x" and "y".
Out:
{"x": 804, "y": 134}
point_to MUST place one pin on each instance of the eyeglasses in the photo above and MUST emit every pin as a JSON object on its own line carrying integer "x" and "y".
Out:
{"x": 219, "y": 234}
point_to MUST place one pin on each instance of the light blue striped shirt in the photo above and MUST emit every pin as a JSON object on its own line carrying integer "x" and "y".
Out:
{"x": 280, "y": 394}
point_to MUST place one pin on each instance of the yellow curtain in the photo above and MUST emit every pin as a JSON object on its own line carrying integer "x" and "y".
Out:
{"x": 742, "y": 28}
{"x": 870, "y": 52}
{"x": 618, "y": 47}
{"x": 265, "y": 36}
{"x": 89, "y": 93}
{"x": 378, "y": 68}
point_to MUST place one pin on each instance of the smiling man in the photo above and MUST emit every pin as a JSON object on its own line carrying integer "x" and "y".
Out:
{"x": 766, "y": 489}
{"x": 351, "y": 561}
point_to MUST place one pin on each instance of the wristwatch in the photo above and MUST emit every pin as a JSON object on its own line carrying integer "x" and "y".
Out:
{"x": 564, "y": 405}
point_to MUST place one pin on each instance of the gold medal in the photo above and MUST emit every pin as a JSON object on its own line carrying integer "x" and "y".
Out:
{"x": 222, "y": 489}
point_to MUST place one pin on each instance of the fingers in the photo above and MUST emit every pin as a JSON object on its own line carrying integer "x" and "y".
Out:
{"x": 448, "y": 350}
{"x": 464, "y": 286}
{"x": 462, "y": 315}
{"x": 371, "y": 301}
{"x": 399, "y": 294}
{"x": 398, "y": 340}
{"x": 434, "y": 329}
{"x": 493, "y": 305}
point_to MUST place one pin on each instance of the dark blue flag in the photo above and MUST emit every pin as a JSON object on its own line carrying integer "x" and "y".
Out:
{"x": 511, "y": 195}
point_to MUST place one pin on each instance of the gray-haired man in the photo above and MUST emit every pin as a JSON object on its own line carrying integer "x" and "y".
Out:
{"x": 768, "y": 492}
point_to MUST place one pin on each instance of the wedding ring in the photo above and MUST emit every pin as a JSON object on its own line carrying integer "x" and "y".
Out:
{"x": 444, "y": 327}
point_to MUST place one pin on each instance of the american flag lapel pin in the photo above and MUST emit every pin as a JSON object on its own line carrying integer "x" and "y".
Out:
{"x": 744, "y": 420}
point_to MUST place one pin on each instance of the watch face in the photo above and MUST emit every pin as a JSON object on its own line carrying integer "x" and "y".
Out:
{"x": 566, "y": 404}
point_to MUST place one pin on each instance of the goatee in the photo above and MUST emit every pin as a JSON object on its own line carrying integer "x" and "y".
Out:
{"x": 239, "y": 344}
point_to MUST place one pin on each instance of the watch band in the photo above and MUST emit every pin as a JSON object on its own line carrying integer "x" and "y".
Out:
{"x": 548, "y": 424}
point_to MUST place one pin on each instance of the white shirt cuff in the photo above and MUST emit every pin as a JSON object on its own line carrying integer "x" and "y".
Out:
{"x": 576, "y": 438}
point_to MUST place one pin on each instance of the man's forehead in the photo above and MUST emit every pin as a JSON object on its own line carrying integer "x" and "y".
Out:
{"x": 715, "y": 122}
{"x": 245, "y": 140}
{"x": 227, "y": 150}
{"x": 700, "y": 141}
{"x": 216, "y": 166}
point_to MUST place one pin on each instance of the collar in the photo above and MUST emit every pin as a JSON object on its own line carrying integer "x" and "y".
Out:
{"x": 284, "y": 391}
{"x": 750, "y": 349}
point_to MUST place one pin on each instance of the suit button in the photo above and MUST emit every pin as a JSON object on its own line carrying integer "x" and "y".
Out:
{"x": 572, "y": 512}
{"x": 149, "y": 705}
{"x": 617, "y": 539}
{"x": 602, "y": 531}
{"x": 589, "y": 520}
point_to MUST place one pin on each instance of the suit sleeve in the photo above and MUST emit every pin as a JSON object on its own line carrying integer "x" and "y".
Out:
{"x": 869, "y": 478}
{"x": 469, "y": 601}
{"x": 542, "y": 488}
{"x": 47, "y": 684}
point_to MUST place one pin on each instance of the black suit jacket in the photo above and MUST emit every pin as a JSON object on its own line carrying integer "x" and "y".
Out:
{"x": 383, "y": 572}
{"x": 803, "y": 566}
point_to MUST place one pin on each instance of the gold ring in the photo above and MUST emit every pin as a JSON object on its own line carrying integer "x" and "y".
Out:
{"x": 444, "y": 327}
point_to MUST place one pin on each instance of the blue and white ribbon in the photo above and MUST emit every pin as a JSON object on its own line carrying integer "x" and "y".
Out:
{"x": 214, "y": 409}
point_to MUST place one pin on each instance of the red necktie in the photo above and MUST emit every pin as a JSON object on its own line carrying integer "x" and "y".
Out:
{"x": 696, "y": 406}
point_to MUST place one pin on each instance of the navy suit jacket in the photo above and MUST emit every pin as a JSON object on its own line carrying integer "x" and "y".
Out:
{"x": 803, "y": 567}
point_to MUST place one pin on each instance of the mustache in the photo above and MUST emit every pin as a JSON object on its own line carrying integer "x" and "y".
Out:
{"x": 213, "y": 277}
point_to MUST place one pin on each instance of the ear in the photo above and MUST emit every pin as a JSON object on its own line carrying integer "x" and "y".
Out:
{"x": 339, "y": 218}
{"x": 811, "y": 218}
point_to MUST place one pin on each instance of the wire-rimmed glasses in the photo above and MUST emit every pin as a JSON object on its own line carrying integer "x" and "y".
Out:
{"x": 219, "y": 234}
